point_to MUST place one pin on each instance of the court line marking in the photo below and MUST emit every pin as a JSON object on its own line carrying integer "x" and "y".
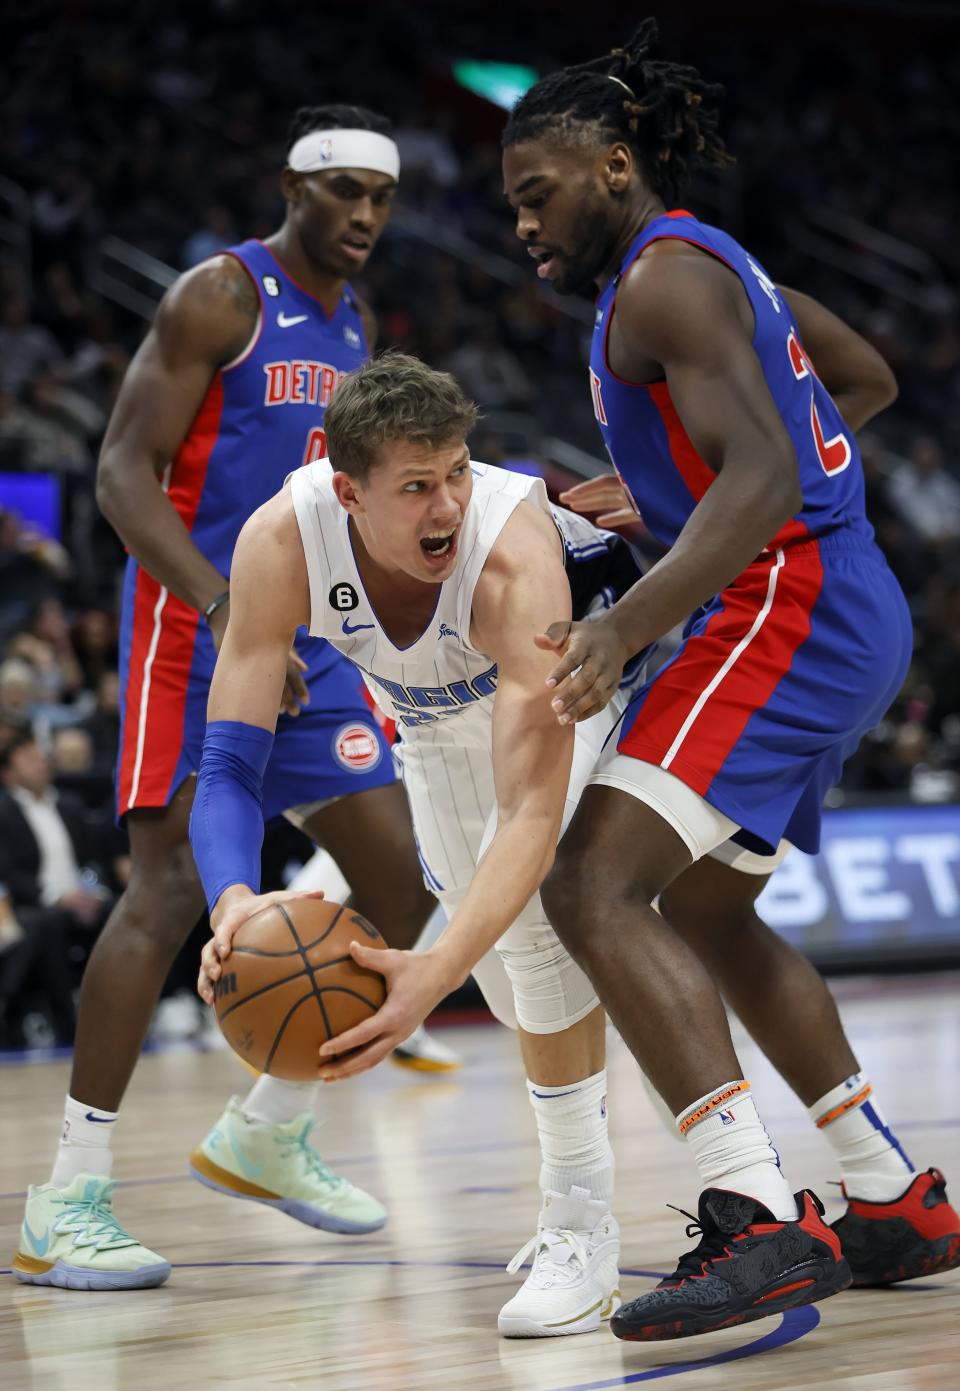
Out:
{"x": 795, "y": 1324}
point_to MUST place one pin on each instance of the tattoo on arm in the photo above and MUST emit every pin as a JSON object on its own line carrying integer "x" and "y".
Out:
{"x": 234, "y": 281}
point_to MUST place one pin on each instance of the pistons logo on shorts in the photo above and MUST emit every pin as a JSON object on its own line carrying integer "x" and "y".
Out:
{"x": 356, "y": 748}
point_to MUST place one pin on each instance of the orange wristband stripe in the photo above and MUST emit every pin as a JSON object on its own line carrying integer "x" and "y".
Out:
{"x": 846, "y": 1105}
{"x": 712, "y": 1104}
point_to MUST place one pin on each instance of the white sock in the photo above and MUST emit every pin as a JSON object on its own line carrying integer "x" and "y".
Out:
{"x": 271, "y": 1101}
{"x": 873, "y": 1163}
{"x": 572, "y": 1126}
{"x": 84, "y": 1143}
{"x": 733, "y": 1150}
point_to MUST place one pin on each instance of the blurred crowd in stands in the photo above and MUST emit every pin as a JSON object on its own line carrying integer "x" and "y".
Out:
{"x": 165, "y": 128}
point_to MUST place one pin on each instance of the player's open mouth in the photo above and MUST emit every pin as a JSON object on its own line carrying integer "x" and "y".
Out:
{"x": 438, "y": 546}
{"x": 544, "y": 260}
{"x": 357, "y": 248}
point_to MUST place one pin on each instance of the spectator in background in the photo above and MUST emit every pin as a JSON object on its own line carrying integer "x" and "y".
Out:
{"x": 18, "y": 689}
{"x": 66, "y": 423}
{"x": 64, "y": 208}
{"x": 31, "y": 564}
{"x": 34, "y": 954}
{"x": 72, "y": 752}
{"x": 47, "y": 704}
{"x": 48, "y": 624}
{"x": 95, "y": 643}
{"x": 26, "y": 348}
{"x": 906, "y": 552}
{"x": 45, "y": 847}
{"x": 925, "y": 494}
{"x": 44, "y": 842}
{"x": 38, "y": 436}
{"x": 15, "y": 434}
{"x": 60, "y": 306}
{"x": 103, "y": 725}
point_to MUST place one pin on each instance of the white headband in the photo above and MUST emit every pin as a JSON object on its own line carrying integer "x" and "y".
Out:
{"x": 345, "y": 149}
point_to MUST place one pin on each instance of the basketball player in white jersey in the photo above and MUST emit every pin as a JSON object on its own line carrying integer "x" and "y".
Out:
{"x": 432, "y": 574}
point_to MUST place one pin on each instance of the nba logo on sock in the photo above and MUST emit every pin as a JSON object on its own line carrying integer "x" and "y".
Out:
{"x": 603, "y": 1105}
{"x": 727, "y": 1117}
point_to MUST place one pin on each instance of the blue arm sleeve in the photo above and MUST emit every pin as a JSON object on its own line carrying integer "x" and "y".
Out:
{"x": 226, "y": 823}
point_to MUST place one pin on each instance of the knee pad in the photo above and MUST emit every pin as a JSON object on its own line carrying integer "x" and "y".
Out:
{"x": 550, "y": 991}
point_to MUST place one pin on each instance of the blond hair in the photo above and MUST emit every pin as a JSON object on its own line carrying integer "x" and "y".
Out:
{"x": 394, "y": 396}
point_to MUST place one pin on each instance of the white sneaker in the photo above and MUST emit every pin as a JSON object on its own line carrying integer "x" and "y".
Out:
{"x": 574, "y": 1283}
{"x": 422, "y": 1053}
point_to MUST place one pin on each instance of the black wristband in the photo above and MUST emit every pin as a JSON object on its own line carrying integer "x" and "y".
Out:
{"x": 215, "y": 604}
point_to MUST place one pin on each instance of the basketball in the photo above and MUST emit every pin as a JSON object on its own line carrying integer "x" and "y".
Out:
{"x": 290, "y": 984}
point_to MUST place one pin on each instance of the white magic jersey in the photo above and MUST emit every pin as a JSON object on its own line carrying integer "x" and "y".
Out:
{"x": 440, "y": 675}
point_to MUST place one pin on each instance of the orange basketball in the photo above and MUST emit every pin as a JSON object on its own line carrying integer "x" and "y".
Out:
{"x": 290, "y": 984}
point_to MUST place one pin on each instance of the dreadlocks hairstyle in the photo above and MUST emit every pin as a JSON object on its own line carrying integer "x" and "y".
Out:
{"x": 310, "y": 118}
{"x": 656, "y": 108}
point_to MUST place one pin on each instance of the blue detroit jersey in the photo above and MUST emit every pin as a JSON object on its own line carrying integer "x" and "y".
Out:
{"x": 649, "y": 446}
{"x": 263, "y": 415}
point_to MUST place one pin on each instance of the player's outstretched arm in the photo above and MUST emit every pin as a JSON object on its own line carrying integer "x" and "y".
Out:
{"x": 684, "y": 312}
{"x": 854, "y": 373}
{"x": 522, "y": 585}
{"x": 270, "y": 600}
{"x": 204, "y": 321}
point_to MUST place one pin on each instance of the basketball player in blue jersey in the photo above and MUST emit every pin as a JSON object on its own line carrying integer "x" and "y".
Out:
{"x": 225, "y": 397}
{"x": 728, "y": 407}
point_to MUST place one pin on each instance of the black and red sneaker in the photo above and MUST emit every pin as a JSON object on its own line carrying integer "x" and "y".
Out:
{"x": 746, "y": 1266}
{"x": 918, "y": 1234}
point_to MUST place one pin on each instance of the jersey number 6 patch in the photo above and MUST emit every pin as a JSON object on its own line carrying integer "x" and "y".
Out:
{"x": 343, "y": 598}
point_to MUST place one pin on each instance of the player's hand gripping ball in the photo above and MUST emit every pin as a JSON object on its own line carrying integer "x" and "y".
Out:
{"x": 290, "y": 983}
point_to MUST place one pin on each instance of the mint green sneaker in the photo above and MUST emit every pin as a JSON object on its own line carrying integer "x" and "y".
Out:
{"x": 71, "y": 1239}
{"x": 277, "y": 1165}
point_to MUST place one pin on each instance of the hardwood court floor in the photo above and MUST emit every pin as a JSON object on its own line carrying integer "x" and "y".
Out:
{"x": 258, "y": 1301}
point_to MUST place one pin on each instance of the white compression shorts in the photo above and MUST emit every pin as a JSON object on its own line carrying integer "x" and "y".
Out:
{"x": 702, "y": 828}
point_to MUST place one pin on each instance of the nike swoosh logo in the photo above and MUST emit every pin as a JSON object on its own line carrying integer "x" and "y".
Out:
{"x": 349, "y": 627}
{"x": 39, "y": 1243}
{"x": 100, "y": 1120}
{"x": 549, "y": 1096}
{"x": 250, "y": 1170}
{"x": 284, "y": 322}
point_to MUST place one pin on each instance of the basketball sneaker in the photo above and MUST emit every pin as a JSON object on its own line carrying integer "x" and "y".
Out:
{"x": 422, "y": 1053}
{"x": 278, "y": 1166}
{"x": 574, "y": 1280}
{"x": 71, "y": 1239}
{"x": 918, "y": 1234}
{"x": 746, "y": 1266}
